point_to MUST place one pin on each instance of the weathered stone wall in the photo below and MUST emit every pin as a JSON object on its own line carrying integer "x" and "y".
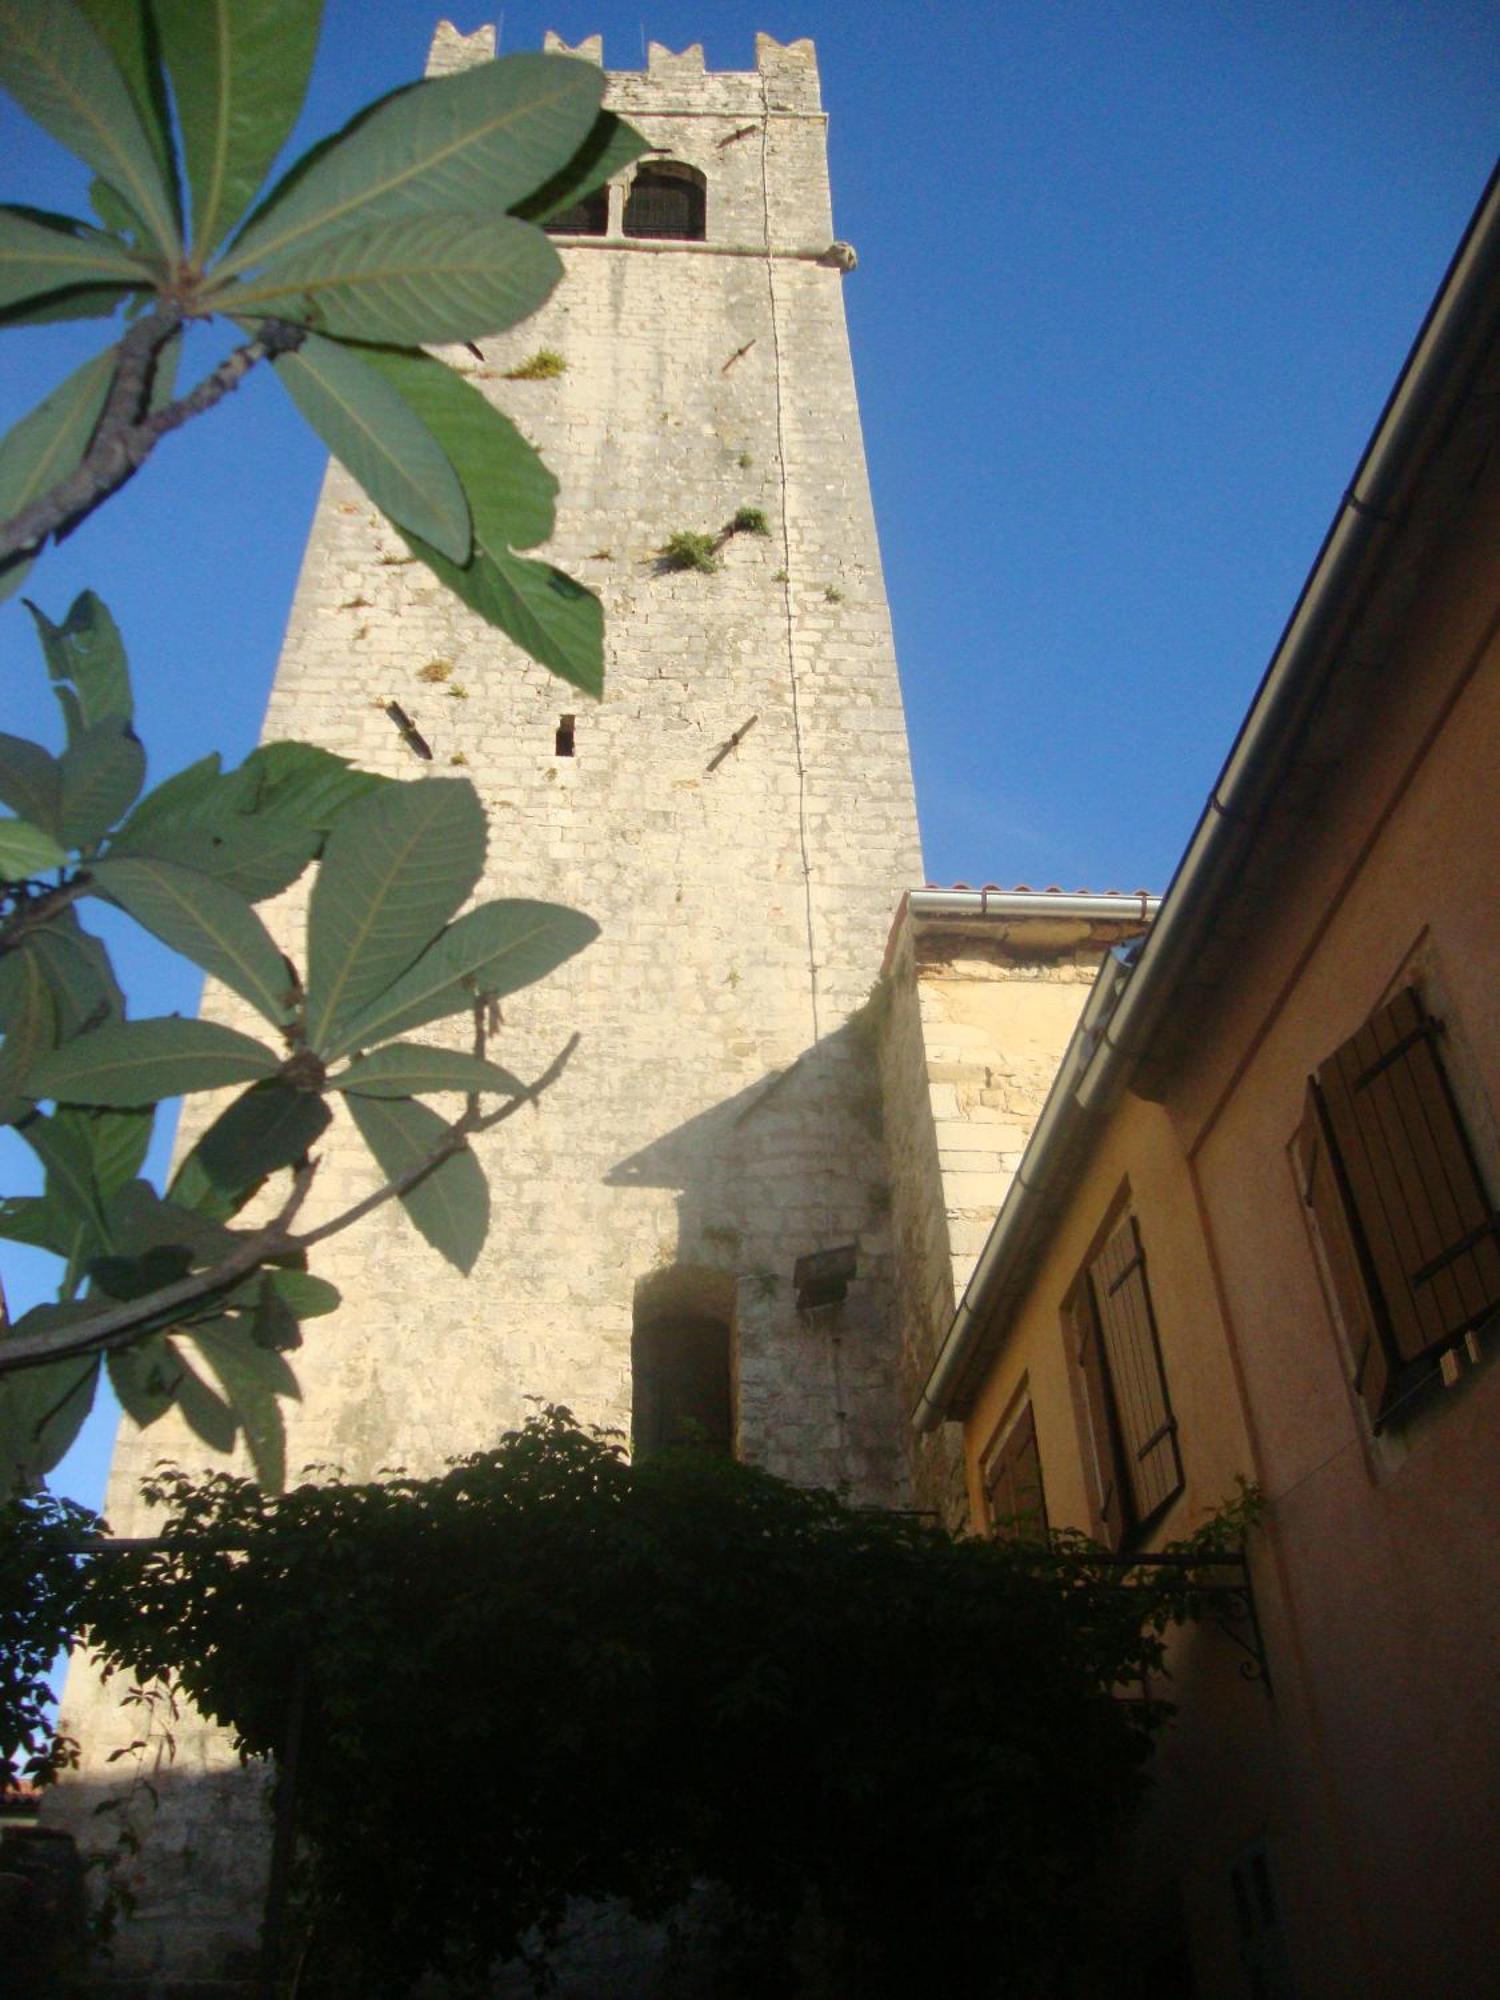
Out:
{"x": 977, "y": 1019}
{"x": 715, "y": 1121}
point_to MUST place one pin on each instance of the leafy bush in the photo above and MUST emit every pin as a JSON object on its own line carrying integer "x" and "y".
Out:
{"x": 551, "y": 1673}
{"x": 41, "y": 1595}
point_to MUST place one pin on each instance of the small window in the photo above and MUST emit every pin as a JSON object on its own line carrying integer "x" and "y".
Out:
{"x": 563, "y": 743}
{"x": 1130, "y": 1432}
{"x": 1012, "y": 1472}
{"x": 1410, "y": 1241}
{"x": 589, "y": 217}
{"x": 680, "y": 1371}
{"x": 667, "y": 199}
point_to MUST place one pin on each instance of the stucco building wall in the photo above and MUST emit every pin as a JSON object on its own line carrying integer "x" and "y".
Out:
{"x": 1369, "y": 1775}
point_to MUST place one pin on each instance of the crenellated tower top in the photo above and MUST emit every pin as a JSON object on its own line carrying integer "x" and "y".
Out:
{"x": 785, "y": 76}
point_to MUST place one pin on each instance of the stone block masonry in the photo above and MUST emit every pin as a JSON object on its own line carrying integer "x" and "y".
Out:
{"x": 718, "y": 1121}
{"x": 976, "y": 1016}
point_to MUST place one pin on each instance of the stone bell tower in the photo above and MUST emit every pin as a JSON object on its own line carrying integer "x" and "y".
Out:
{"x": 691, "y": 1226}
{"x": 736, "y": 813}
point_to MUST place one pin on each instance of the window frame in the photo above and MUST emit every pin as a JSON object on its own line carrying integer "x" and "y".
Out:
{"x": 1014, "y": 1444}
{"x": 669, "y": 170}
{"x": 1115, "y": 1347}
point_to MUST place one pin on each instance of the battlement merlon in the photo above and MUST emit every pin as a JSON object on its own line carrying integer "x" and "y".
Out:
{"x": 785, "y": 77}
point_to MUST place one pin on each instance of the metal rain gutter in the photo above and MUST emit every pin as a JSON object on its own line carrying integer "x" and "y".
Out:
{"x": 1031, "y": 903}
{"x": 1116, "y": 1023}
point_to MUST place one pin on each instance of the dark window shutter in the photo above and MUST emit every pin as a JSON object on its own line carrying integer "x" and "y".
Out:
{"x": 1101, "y": 1447}
{"x": 1013, "y": 1483}
{"x": 1411, "y": 1179}
{"x": 1127, "y": 1325}
{"x": 1345, "y": 1257}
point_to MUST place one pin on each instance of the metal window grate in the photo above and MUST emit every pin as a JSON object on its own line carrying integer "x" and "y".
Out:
{"x": 589, "y": 217}
{"x": 666, "y": 203}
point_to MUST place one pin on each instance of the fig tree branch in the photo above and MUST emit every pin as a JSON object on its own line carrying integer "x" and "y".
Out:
{"x": 123, "y": 439}
{"x": 120, "y": 1324}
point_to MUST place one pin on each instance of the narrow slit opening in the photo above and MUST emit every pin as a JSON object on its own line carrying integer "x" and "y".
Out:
{"x": 563, "y": 746}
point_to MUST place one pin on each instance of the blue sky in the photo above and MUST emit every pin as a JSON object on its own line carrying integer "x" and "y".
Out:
{"x": 1134, "y": 282}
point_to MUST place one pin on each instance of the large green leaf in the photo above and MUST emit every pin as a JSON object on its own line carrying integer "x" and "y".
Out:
{"x": 63, "y": 1144}
{"x": 207, "y": 922}
{"x": 256, "y": 858}
{"x": 466, "y": 144}
{"x": 141, "y": 1062}
{"x": 392, "y": 454}
{"x": 103, "y": 769}
{"x": 26, "y": 851}
{"x": 28, "y": 1021}
{"x": 31, "y": 783}
{"x": 558, "y": 622}
{"x": 42, "y": 1409}
{"x": 73, "y": 302}
{"x": 139, "y": 1219}
{"x": 144, "y": 1377}
{"x": 172, "y": 801}
{"x": 510, "y": 492}
{"x": 256, "y": 827}
{"x": 44, "y": 1222}
{"x": 36, "y": 258}
{"x": 128, "y": 32}
{"x": 609, "y": 148}
{"x": 451, "y": 1204}
{"x": 303, "y": 784}
{"x": 494, "y": 950}
{"x": 253, "y": 858}
{"x": 48, "y": 444}
{"x": 117, "y": 1143}
{"x": 423, "y": 278}
{"x": 396, "y": 867}
{"x": 239, "y": 72}
{"x": 411, "y": 1069}
{"x": 252, "y": 1377}
{"x": 58, "y": 70}
{"x": 270, "y": 1127}
{"x": 86, "y": 659}
{"x": 79, "y": 975}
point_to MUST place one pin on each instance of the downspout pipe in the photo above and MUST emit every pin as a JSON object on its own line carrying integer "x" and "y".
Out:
{"x": 1124, "y": 1009}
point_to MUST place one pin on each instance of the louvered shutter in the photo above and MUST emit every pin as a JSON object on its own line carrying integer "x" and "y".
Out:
{"x": 1100, "y": 1443}
{"x": 1013, "y": 1483}
{"x": 1411, "y": 1179}
{"x": 1127, "y": 1326}
{"x": 1345, "y": 1258}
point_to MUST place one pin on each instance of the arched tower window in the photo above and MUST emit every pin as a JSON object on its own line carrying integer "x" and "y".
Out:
{"x": 681, "y": 1362}
{"x": 667, "y": 199}
{"x": 589, "y": 217}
